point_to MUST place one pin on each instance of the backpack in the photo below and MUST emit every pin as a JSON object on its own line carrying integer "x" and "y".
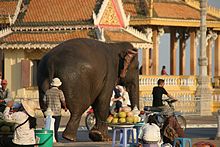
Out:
{"x": 170, "y": 133}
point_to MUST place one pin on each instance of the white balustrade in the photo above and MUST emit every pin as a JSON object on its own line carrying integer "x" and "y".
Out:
{"x": 169, "y": 80}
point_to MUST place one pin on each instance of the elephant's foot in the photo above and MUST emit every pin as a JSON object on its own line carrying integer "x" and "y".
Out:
{"x": 96, "y": 135}
{"x": 69, "y": 136}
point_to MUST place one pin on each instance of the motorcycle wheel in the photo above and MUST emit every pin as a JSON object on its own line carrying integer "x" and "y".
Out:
{"x": 182, "y": 121}
{"x": 90, "y": 121}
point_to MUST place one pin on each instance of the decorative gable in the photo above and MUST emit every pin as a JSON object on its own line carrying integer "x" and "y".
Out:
{"x": 111, "y": 15}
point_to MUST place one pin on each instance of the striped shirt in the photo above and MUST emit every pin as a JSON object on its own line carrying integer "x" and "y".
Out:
{"x": 54, "y": 96}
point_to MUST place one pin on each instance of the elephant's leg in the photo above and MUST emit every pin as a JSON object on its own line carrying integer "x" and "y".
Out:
{"x": 76, "y": 107}
{"x": 101, "y": 110}
{"x": 70, "y": 131}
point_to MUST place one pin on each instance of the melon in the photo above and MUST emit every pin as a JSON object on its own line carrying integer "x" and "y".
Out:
{"x": 129, "y": 114}
{"x": 115, "y": 120}
{"x": 122, "y": 120}
{"x": 109, "y": 119}
{"x": 130, "y": 119}
{"x": 122, "y": 114}
{"x": 136, "y": 119}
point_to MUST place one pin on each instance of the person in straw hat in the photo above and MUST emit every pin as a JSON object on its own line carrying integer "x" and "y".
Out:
{"x": 25, "y": 123}
{"x": 55, "y": 100}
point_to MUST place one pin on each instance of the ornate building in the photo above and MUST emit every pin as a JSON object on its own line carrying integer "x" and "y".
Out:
{"x": 33, "y": 27}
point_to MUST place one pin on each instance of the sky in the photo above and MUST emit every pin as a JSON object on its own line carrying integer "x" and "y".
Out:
{"x": 164, "y": 50}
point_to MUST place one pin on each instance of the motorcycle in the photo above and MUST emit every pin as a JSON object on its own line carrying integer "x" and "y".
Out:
{"x": 160, "y": 115}
{"x": 90, "y": 119}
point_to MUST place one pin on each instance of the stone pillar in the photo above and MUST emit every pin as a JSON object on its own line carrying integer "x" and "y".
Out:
{"x": 209, "y": 55}
{"x": 182, "y": 55}
{"x": 203, "y": 91}
{"x": 217, "y": 62}
{"x": 192, "y": 52}
{"x": 173, "y": 49}
{"x": 145, "y": 61}
{"x": 155, "y": 53}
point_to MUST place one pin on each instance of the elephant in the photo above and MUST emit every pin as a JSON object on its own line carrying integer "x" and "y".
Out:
{"x": 89, "y": 69}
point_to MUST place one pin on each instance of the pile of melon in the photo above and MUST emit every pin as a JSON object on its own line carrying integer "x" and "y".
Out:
{"x": 124, "y": 116}
{"x": 5, "y": 127}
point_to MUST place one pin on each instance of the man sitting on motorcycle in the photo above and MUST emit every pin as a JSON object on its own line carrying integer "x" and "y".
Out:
{"x": 158, "y": 92}
{"x": 171, "y": 127}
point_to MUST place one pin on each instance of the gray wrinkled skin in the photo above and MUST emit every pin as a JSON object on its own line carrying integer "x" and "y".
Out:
{"x": 88, "y": 70}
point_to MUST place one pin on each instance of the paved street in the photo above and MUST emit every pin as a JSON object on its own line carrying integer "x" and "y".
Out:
{"x": 199, "y": 134}
{"x": 198, "y": 128}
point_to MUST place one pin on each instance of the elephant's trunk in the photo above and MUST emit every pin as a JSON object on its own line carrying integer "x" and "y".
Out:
{"x": 127, "y": 60}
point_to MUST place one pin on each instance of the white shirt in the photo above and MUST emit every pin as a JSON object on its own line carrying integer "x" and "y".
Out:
{"x": 126, "y": 100}
{"x": 23, "y": 135}
{"x": 150, "y": 132}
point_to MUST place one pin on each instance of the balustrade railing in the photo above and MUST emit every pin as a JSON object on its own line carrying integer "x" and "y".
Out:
{"x": 186, "y": 105}
{"x": 169, "y": 80}
{"x": 181, "y": 87}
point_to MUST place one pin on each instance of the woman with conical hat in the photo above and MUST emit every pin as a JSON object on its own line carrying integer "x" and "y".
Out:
{"x": 25, "y": 123}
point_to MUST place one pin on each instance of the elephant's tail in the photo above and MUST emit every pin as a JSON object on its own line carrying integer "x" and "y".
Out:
{"x": 51, "y": 72}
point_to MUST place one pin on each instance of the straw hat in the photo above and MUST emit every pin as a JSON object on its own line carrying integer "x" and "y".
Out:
{"x": 30, "y": 106}
{"x": 56, "y": 82}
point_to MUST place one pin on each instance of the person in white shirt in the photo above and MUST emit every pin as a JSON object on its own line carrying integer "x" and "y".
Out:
{"x": 25, "y": 123}
{"x": 150, "y": 133}
{"x": 116, "y": 100}
{"x": 125, "y": 96}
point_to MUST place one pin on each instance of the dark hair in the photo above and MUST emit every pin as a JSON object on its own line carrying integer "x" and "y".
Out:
{"x": 160, "y": 81}
{"x": 152, "y": 119}
{"x": 164, "y": 67}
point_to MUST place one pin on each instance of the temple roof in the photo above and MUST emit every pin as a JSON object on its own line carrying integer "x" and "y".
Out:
{"x": 75, "y": 12}
{"x": 7, "y": 8}
{"x": 42, "y": 37}
{"x": 54, "y": 21}
{"x": 171, "y": 13}
{"x": 38, "y": 39}
{"x": 177, "y": 11}
{"x": 53, "y": 12}
{"x": 121, "y": 35}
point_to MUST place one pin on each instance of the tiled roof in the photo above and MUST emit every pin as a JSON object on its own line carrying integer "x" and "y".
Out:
{"x": 59, "y": 10}
{"x": 130, "y": 9}
{"x": 41, "y": 37}
{"x": 178, "y": 11}
{"x": 7, "y": 7}
{"x": 120, "y": 36}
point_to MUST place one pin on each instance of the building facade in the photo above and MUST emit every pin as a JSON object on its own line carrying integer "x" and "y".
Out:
{"x": 36, "y": 26}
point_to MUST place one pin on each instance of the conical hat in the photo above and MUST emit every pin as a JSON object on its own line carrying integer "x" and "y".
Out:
{"x": 30, "y": 106}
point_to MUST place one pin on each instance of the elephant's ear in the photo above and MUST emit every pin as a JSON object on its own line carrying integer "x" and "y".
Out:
{"x": 130, "y": 54}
